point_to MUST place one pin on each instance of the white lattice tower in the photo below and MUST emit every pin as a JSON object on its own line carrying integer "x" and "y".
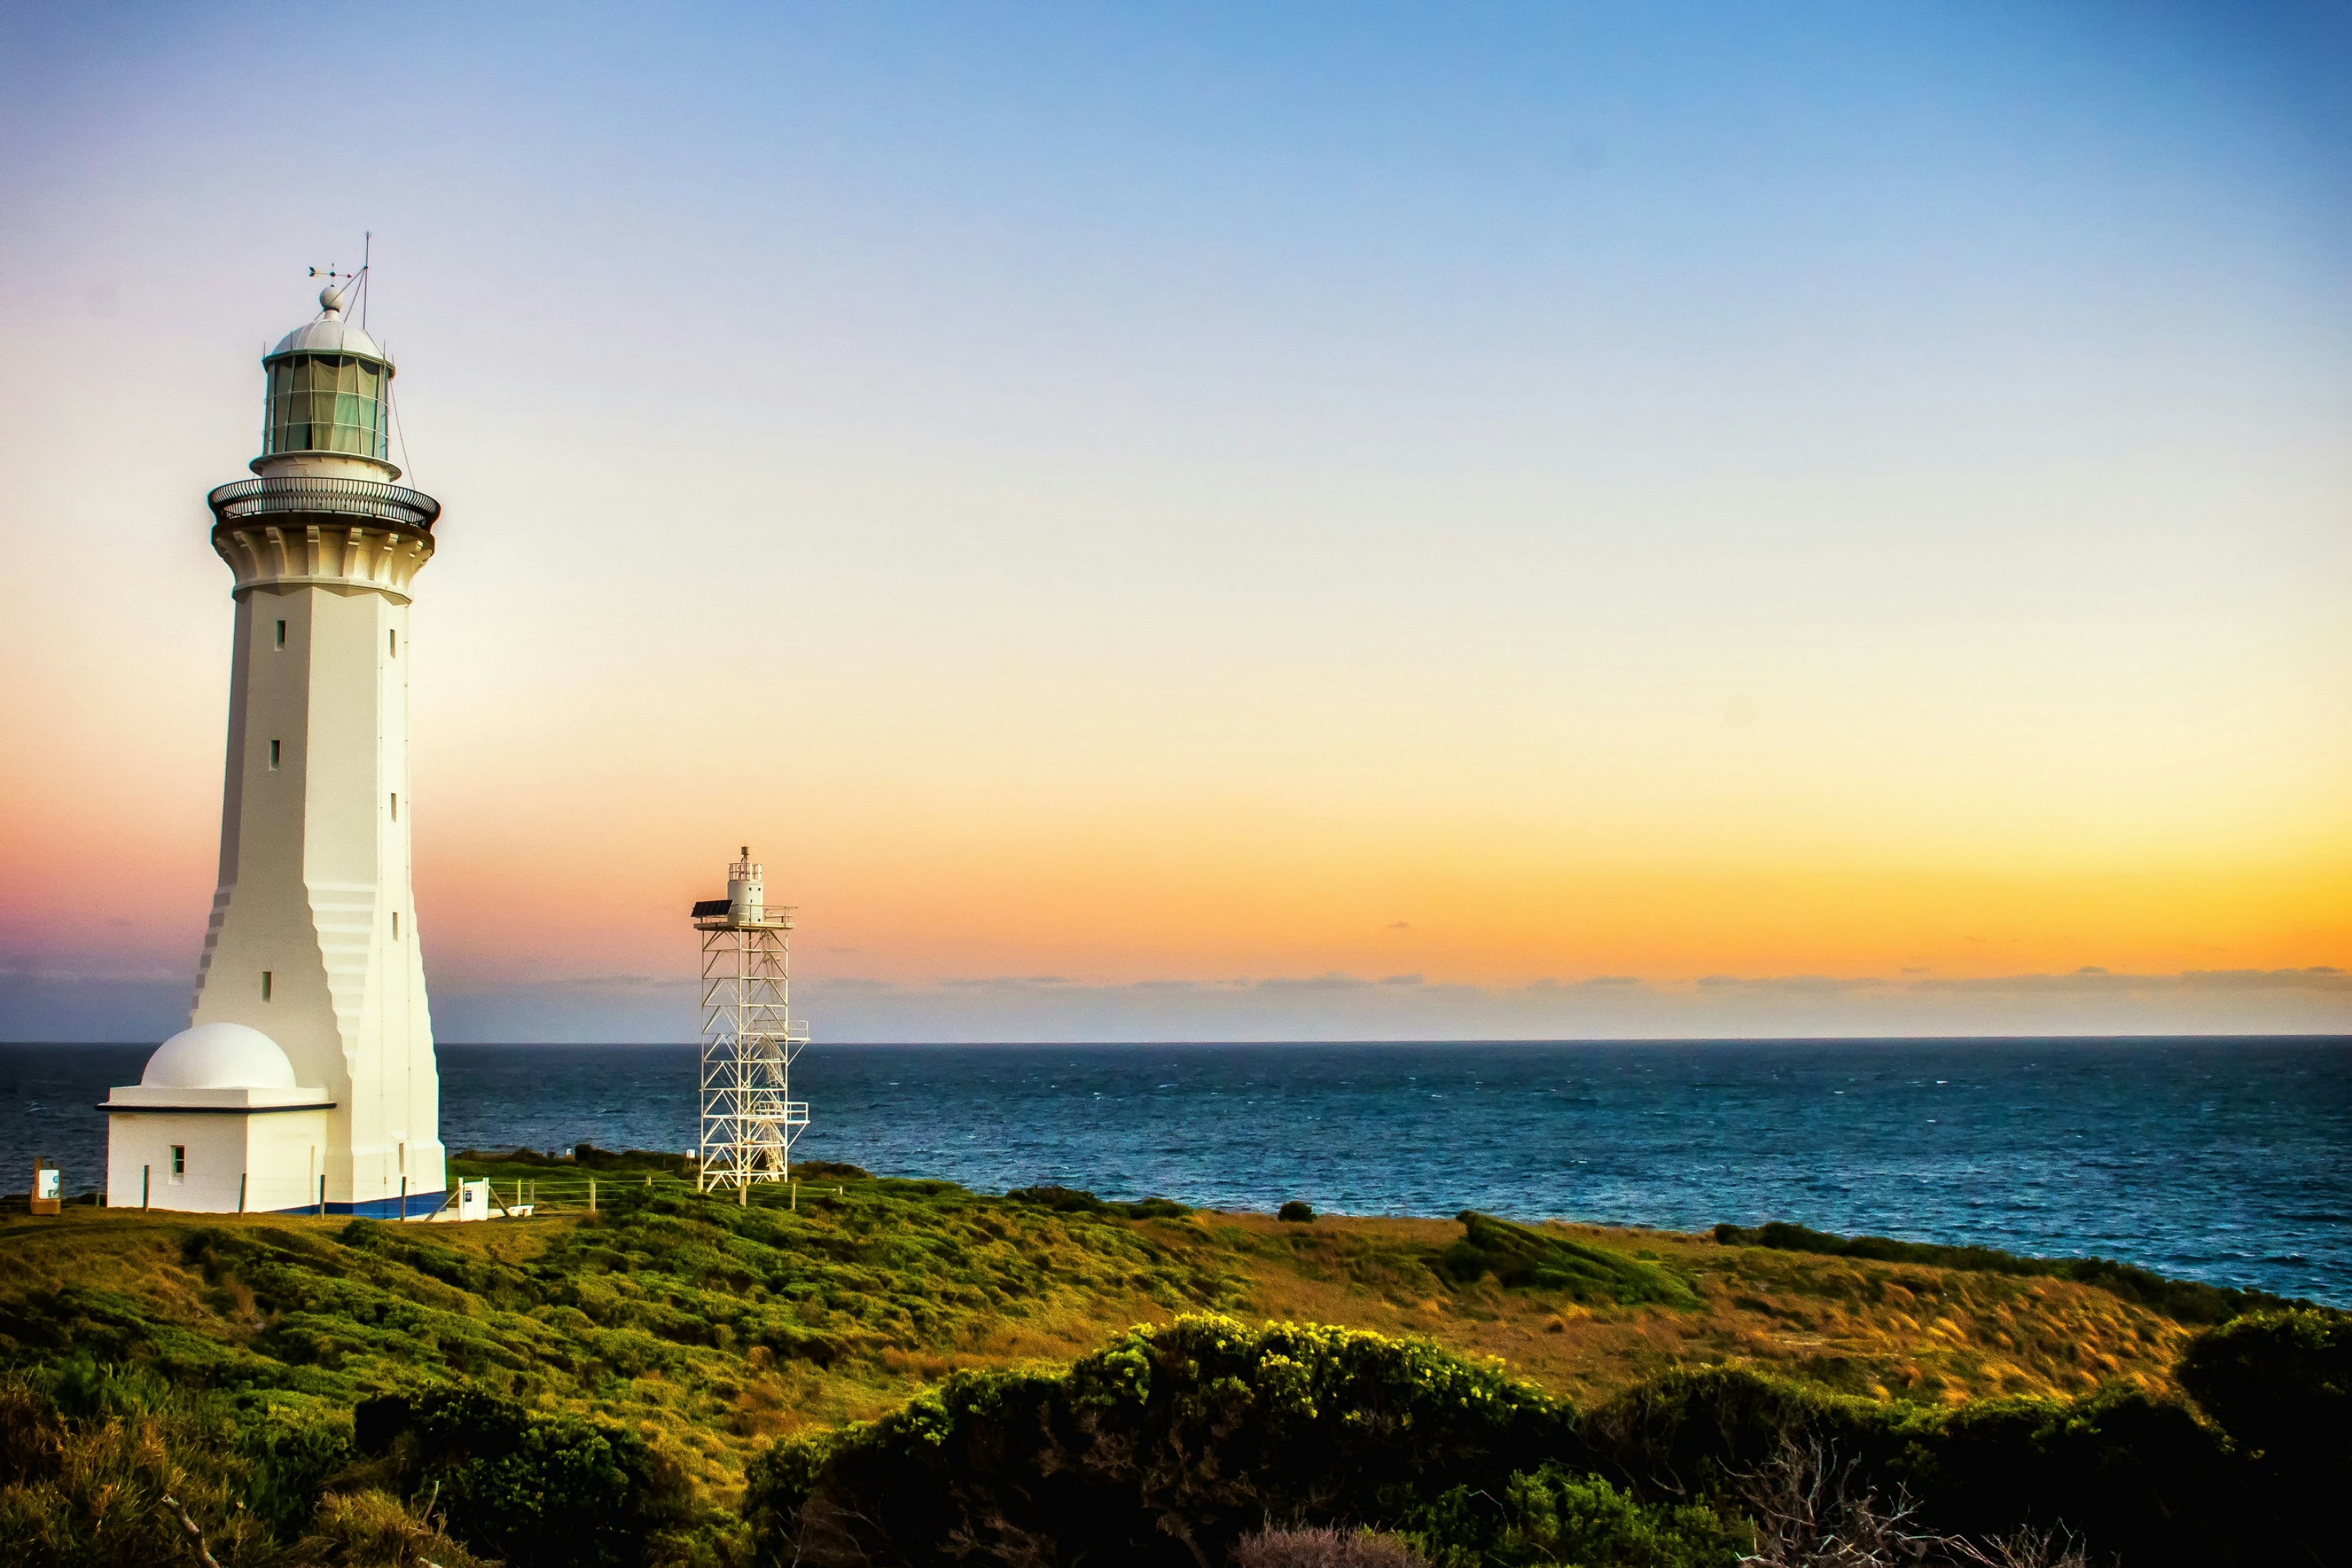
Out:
{"x": 749, "y": 1038}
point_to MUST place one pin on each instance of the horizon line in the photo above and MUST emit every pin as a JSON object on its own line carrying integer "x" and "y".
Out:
{"x": 2067, "y": 1036}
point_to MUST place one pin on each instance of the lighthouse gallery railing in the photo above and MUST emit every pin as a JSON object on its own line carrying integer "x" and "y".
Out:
{"x": 247, "y": 499}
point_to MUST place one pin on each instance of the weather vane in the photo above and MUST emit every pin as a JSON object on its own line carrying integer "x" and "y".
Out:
{"x": 346, "y": 281}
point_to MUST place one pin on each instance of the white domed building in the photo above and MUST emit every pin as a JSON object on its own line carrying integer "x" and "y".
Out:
{"x": 307, "y": 1077}
{"x": 216, "y": 1124}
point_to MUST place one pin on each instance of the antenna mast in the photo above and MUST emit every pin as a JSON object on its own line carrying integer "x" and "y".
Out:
{"x": 749, "y": 1037}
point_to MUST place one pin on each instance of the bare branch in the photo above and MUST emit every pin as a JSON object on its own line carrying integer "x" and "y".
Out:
{"x": 1813, "y": 1512}
{"x": 196, "y": 1536}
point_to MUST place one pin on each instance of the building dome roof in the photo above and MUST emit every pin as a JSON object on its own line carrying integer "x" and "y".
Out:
{"x": 219, "y": 1055}
{"x": 329, "y": 334}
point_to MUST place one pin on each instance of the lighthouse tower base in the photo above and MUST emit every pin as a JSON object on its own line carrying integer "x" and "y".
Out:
{"x": 216, "y": 1124}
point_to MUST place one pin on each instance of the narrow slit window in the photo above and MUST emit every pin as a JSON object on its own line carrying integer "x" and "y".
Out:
{"x": 281, "y": 634}
{"x": 273, "y": 754}
{"x": 395, "y": 925}
{"x": 395, "y": 808}
{"x": 265, "y": 984}
{"x": 395, "y": 645}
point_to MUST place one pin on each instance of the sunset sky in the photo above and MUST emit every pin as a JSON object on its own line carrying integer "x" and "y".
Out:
{"x": 1232, "y": 521}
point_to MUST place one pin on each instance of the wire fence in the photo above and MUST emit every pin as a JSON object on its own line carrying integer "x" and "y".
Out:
{"x": 527, "y": 1195}
{"x": 475, "y": 1197}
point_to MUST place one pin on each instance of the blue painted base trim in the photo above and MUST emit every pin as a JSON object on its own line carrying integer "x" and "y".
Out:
{"x": 419, "y": 1205}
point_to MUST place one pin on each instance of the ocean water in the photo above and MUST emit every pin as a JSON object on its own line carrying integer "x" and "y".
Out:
{"x": 2227, "y": 1160}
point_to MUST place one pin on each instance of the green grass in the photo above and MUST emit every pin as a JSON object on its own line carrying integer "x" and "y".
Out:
{"x": 220, "y": 1359}
{"x": 2186, "y": 1300}
{"x": 1520, "y": 1257}
{"x": 662, "y": 1306}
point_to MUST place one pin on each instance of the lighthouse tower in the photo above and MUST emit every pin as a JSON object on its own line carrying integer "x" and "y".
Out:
{"x": 312, "y": 943}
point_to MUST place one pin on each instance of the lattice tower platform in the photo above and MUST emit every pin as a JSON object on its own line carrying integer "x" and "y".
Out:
{"x": 749, "y": 1117}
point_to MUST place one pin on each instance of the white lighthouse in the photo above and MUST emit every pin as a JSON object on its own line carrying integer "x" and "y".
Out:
{"x": 312, "y": 943}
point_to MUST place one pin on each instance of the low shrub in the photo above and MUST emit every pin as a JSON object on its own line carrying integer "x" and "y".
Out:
{"x": 2133, "y": 1476}
{"x": 1077, "y": 1200}
{"x": 535, "y": 1490}
{"x": 1324, "y": 1546}
{"x": 1297, "y": 1212}
{"x": 1553, "y": 1516}
{"x": 1521, "y": 1257}
{"x": 2280, "y": 1384}
{"x": 2184, "y": 1301}
{"x": 1167, "y": 1447}
{"x": 1178, "y": 1442}
{"x": 289, "y": 1447}
{"x": 373, "y": 1528}
{"x": 1060, "y": 1199}
{"x": 829, "y": 1171}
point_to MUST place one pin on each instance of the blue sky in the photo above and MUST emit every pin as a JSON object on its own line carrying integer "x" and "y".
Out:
{"x": 1844, "y": 499}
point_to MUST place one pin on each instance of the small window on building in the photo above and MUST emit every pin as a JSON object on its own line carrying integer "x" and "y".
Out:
{"x": 265, "y": 985}
{"x": 395, "y": 925}
{"x": 395, "y": 808}
{"x": 273, "y": 753}
{"x": 179, "y": 1162}
{"x": 395, "y": 645}
{"x": 281, "y": 634}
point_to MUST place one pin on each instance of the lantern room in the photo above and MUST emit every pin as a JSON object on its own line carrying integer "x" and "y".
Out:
{"x": 330, "y": 389}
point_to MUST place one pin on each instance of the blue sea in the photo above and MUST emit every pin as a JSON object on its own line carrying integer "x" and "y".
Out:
{"x": 2227, "y": 1160}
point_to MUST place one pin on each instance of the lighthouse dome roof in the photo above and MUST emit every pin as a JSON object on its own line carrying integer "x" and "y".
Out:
{"x": 219, "y": 1055}
{"x": 330, "y": 335}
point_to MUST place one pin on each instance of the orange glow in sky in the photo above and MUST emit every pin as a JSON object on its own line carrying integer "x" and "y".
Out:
{"x": 1116, "y": 543}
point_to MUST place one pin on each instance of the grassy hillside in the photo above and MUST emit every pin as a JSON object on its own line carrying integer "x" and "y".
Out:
{"x": 703, "y": 1330}
{"x": 1181, "y": 1445}
{"x": 754, "y": 1321}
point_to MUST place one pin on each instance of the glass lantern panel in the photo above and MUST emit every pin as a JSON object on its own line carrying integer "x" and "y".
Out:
{"x": 319, "y": 406}
{"x": 326, "y": 403}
